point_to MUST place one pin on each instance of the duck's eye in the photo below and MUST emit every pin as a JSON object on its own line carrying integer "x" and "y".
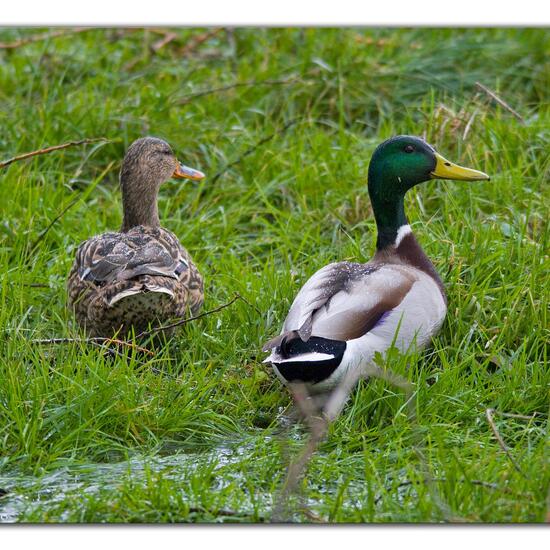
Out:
{"x": 165, "y": 152}
{"x": 408, "y": 149}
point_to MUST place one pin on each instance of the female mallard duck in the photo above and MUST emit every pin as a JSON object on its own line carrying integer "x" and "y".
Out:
{"x": 346, "y": 312}
{"x": 142, "y": 274}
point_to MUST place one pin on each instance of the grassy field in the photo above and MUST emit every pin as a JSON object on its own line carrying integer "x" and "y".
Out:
{"x": 283, "y": 121}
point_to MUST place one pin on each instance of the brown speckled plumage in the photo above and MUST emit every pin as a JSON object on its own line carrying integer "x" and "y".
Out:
{"x": 141, "y": 276}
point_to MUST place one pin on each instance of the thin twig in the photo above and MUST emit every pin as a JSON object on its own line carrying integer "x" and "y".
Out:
{"x": 96, "y": 340}
{"x": 159, "y": 44}
{"x": 519, "y": 416}
{"x": 155, "y": 30}
{"x": 103, "y": 341}
{"x": 248, "y": 83}
{"x": 490, "y": 419}
{"x": 44, "y": 232}
{"x": 253, "y": 306}
{"x": 469, "y": 124}
{"x": 46, "y": 150}
{"x": 186, "y": 320}
{"x": 312, "y": 516}
{"x": 258, "y": 144}
{"x": 170, "y": 36}
{"x": 197, "y": 40}
{"x": 500, "y": 101}
{"x": 43, "y": 36}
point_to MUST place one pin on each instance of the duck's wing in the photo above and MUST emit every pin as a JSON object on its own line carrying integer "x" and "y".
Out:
{"x": 123, "y": 256}
{"x": 343, "y": 301}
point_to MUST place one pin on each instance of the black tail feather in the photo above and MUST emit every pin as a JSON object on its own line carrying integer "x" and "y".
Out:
{"x": 309, "y": 370}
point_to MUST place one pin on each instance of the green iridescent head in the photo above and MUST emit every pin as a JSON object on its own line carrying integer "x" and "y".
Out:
{"x": 399, "y": 164}
{"x": 404, "y": 161}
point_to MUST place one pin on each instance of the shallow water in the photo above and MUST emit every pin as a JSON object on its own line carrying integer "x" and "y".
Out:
{"x": 26, "y": 493}
{"x": 30, "y": 496}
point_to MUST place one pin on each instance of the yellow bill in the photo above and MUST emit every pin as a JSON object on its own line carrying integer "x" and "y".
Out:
{"x": 184, "y": 172}
{"x": 448, "y": 171}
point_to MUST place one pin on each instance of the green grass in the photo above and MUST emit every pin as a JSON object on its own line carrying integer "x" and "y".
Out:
{"x": 191, "y": 434}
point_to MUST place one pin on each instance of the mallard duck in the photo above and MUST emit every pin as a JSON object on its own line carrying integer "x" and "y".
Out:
{"x": 141, "y": 275}
{"x": 347, "y": 312}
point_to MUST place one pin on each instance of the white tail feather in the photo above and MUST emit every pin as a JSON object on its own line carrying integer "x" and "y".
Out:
{"x": 133, "y": 291}
{"x": 311, "y": 356}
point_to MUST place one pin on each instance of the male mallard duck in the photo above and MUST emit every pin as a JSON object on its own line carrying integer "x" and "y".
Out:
{"x": 142, "y": 274}
{"x": 346, "y": 312}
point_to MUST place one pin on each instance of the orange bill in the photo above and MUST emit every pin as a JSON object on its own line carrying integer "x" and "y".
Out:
{"x": 184, "y": 172}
